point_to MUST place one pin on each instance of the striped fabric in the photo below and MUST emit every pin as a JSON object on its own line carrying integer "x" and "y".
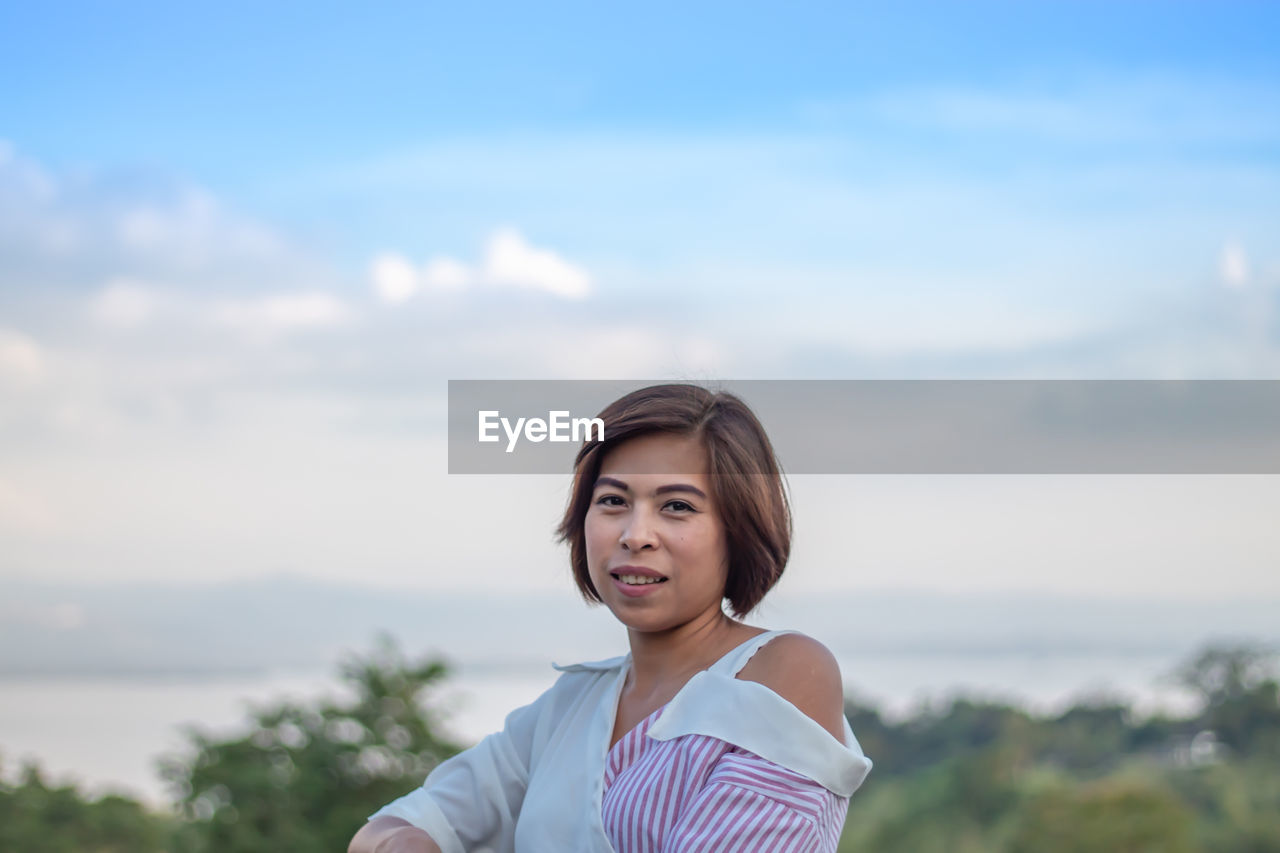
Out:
{"x": 698, "y": 794}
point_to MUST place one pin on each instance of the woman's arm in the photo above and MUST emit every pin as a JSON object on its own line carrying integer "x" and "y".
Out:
{"x": 391, "y": 835}
{"x": 749, "y": 803}
{"x": 470, "y": 800}
{"x": 805, "y": 673}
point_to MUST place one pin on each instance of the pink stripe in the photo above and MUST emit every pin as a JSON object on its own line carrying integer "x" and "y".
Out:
{"x": 799, "y": 791}
{"x": 738, "y": 822}
{"x": 698, "y": 794}
{"x": 751, "y": 771}
{"x": 704, "y": 819}
{"x": 773, "y": 827}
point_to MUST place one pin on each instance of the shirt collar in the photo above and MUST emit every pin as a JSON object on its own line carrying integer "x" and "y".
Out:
{"x": 594, "y": 665}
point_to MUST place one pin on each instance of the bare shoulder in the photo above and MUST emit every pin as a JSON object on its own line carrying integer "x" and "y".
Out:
{"x": 805, "y": 673}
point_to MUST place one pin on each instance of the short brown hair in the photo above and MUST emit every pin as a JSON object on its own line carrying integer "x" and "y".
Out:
{"x": 746, "y": 479}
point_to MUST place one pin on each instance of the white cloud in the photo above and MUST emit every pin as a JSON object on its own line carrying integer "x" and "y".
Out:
{"x": 21, "y": 510}
{"x": 510, "y": 261}
{"x": 1233, "y": 266}
{"x": 394, "y": 278}
{"x": 22, "y": 364}
{"x": 124, "y": 303}
{"x": 1089, "y": 109}
{"x": 282, "y": 312}
{"x": 22, "y": 179}
{"x": 64, "y": 232}
{"x": 448, "y": 274}
{"x": 143, "y": 229}
{"x": 609, "y": 352}
{"x": 65, "y": 616}
{"x": 191, "y": 222}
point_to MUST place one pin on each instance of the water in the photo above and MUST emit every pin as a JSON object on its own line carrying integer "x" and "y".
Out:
{"x": 106, "y": 733}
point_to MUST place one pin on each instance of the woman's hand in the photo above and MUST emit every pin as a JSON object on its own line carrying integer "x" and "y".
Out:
{"x": 391, "y": 835}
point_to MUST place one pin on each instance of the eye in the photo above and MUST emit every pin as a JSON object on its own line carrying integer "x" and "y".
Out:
{"x": 609, "y": 500}
{"x": 681, "y": 506}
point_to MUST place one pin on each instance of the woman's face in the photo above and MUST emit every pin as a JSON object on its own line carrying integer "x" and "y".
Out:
{"x": 656, "y": 548}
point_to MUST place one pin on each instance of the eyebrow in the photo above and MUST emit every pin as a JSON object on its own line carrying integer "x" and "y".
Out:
{"x": 661, "y": 490}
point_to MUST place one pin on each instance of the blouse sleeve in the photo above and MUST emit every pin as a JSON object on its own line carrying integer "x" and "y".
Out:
{"x": 473, "y": 799}
{"x": 749, "y": 803}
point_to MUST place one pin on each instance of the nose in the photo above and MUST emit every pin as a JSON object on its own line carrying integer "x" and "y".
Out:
{"x": 638, "y": 534}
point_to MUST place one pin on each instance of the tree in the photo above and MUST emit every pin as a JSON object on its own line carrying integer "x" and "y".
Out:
{"x": 1112, "y": 814}
{"x": 1089, "y": 737}
{"x": 1241, "y": 696}
{"x": 1221, "y": 673}
{"x": 36, "y": 816}
{"x": 305, "y": 778}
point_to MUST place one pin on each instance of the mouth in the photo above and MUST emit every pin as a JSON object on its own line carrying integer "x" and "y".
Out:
{"x": 635, "y": 578}
{"x": 636, "y": 583}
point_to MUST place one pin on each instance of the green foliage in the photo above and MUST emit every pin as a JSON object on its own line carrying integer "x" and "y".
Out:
{"x": 936, "y": 734}
{"x": 37, "y": 817}
{"x": 305, "y": 778}
{"x": 1221, "y": 673}
{"x": 987, "y": 778}
{"x": 956, "y": 806}
{"x": 1087, "y": 738}
{"x": 968, "y": 777}
{"x": 1241, "y": 696}
{"x": 1237, "y": 804}
{"x": 1111, "y": 814}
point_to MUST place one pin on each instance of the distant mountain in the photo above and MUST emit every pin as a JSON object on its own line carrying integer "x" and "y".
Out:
{"x": 286, "y": 622}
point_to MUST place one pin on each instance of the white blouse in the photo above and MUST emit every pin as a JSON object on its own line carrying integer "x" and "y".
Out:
{"x": 537, "y": 786}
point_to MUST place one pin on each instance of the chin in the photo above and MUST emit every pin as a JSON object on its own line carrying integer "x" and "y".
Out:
{"x": 637, "y": 621}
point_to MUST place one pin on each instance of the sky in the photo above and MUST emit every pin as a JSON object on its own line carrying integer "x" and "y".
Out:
{"x": 243, "y": 248}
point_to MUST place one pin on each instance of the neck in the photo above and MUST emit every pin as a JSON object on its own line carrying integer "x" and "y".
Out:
{"x": 662, "y": 659}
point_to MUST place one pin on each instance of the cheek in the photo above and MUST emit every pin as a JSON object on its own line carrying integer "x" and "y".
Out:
{"x": 596, "y": 535}
{"x": 720, "y": 554}
{"x": 710, "y": 535}
{"x": 711, "y": 548}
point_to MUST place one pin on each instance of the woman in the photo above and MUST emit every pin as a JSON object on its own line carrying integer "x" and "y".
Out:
{"x": 711, "y": 734}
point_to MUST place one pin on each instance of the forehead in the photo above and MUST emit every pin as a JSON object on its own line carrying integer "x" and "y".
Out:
{"x": 657, "y": 454}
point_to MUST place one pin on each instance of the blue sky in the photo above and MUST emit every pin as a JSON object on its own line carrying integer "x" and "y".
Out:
{"x": 319, "y": 118}
{"x": 674, "y": 135}
{"x": 241, "y": 95}
{"x": 243, "y": 247}
{"x": 239, "y": 89}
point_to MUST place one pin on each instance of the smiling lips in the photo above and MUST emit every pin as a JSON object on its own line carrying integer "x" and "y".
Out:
{"x": 636, "y": 580}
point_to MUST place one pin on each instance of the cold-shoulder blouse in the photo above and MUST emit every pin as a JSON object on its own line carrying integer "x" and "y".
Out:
{"x": 727, "y": 764}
